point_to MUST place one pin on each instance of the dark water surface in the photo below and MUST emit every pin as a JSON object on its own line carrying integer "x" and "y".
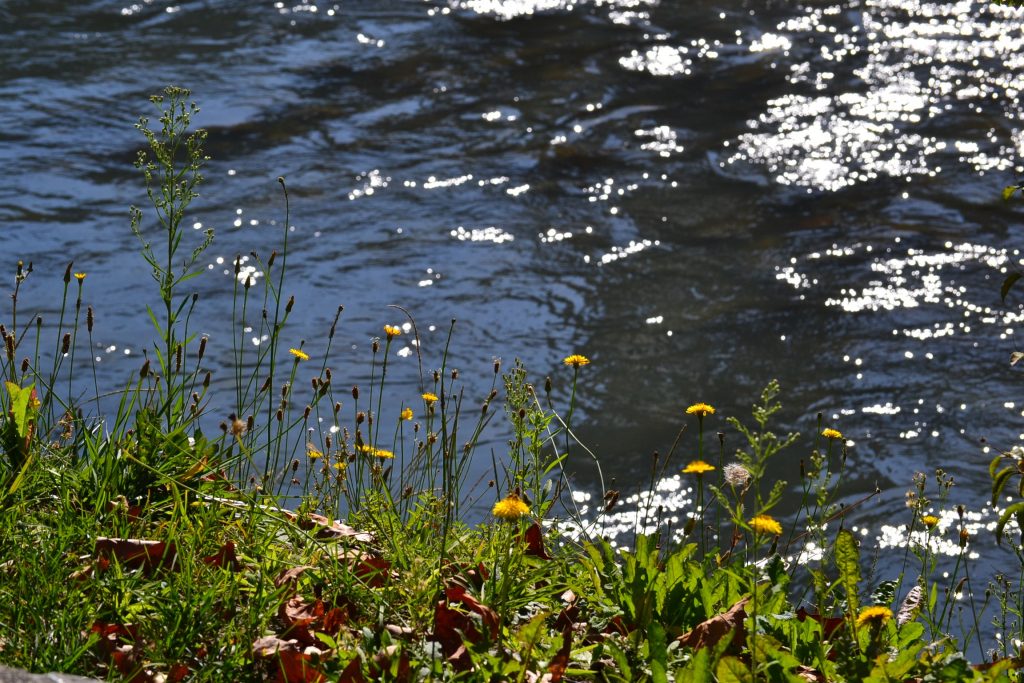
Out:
{"x": 699, "y": 196}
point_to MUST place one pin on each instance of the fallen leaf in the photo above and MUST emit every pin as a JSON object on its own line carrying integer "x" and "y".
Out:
{"x": 403, "y": 632}
{"x": 353, "y": 673}
{"x": 177, "y": 673}
{"x": 560, "y": 662}
{"x": 225, "y": 558}
{"x": 327, "y": 529}
{"x": 381, "y": 667}
{"x": 535, "y": 542}
{"x": 298, "y": 612}
{"x": 373, "y": 570}
{"x": 452, "y": 627}
{"x": 295, "y": 664}
{"x": 117, "y": 647}
{"x": 334, "y": 620}
{"x": 709, "y": 632}
{"x": 569, "y": 615}
{"x": 290, "y": 576}
{"x": 137, "y": 553}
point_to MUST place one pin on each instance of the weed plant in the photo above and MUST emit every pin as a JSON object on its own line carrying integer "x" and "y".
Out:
{"x": 305, "y": 538}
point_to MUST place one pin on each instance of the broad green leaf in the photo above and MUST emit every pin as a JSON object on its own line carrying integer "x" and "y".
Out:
{"x": 20, "y": 406}
{"x": 698, "y": 670}
{"x": 909, "y": 633}
{"x": 1008, "y": 284}
{"x": 999, "y": 481}
{"x": 732, "y": 670}
{"x": 993, "y": 465}
{"x": 658, "y": 652}
{"x": 1012, "y": 511}
{"x": 1015, "y": 357}
{"x": 1008, "y": 191}
{"x": 848, "y": 564}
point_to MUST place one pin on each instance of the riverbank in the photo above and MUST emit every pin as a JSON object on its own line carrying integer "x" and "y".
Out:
{"x": 321, "y": 530}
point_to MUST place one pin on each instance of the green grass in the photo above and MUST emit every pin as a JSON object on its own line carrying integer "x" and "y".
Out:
{"x": 137, "y": 546}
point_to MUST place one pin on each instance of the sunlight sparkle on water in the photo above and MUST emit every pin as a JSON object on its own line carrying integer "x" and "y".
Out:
{"x": 876, "y": 78}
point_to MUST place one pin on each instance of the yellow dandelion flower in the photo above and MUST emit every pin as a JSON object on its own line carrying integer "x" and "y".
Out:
{"x": 698, "y": 467}
{"x": 874, "y": 615}
{"x": 312, "y": 453}
{"x": 391, "y": 331}
{"x": 930, "y": 521}
{"x": 832, "y": 434}
{"x": 510, "y": 507}
{"x": 407, "y": 413}
{"x": 764, "y": 524}
{"x": 429, "y": 398}
{"x": 700, "y": 410}
{"x": 340, "y": 465}
{"x": 79, "y": 276}
{"x": 576, "y": 360}
{"x": 299, "y": 353}
{"x": 375, "y": 452}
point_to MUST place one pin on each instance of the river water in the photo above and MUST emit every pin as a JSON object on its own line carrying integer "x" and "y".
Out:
{"x": 699, "y": 196}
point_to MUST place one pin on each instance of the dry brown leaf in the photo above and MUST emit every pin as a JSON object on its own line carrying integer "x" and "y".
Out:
{"x": 534, "y": 538}
{"x": 294, "y": 663}
{"x": 136, "y": 553}
{"x": 353, "y": 673}
{"x": 560, "y": 662}
{"x": 225, "y": 558}
{"x": 290, "y": 576}
{"x": 380, "y": 666}
{"x": 708, "y": 633}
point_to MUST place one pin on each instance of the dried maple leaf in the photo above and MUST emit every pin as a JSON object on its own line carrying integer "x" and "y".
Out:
{"x": 709, "y": 632}
{"x": 560, "y": 662}
{"x": 534, "y": 538}
{"x": 353, "y": 673}
{"x": 225, "y": 558}
{"x": 290, "y": 576}
{"x": 298, "y": 612}
{"x": 452, "y": 626}
{"x": 137, "y": 553}
{"x": 381, "y": 667}
{"x": 294, "y": 663}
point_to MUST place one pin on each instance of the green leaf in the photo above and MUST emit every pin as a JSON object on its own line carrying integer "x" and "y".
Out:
{"x": 1008, "y": 283}
{"x": 909, "y": 633}
{"x": 732, "y": 670}
{"x": 1015, "y": 357}
{"x": 658, "y": 652}
{"x": 19, "y": 405}
{"x": 20, "y": 479}
{"x": 1008, "y": 191}
{"x": 1015, "y": 510}
{"x": 698, "y": 671}
{"x": 999, "y": 481}
{"x": 848, "y": 564}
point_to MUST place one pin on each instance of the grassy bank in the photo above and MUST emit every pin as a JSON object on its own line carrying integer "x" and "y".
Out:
{"x": 154, "y": 543}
